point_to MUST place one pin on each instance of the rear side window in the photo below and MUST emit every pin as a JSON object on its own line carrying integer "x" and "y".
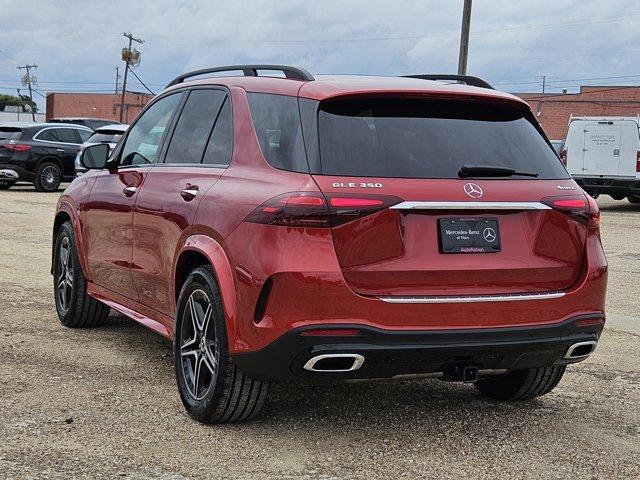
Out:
{"x": 195, "y": 126}
{"x": 84, "y": 135}
{"x": 220, "y": 144}
{"x": 276, "y": 119}
{"x": 415, "y": 138}
{"x": 60, "y": 135}
{"x": 9, "y": 133}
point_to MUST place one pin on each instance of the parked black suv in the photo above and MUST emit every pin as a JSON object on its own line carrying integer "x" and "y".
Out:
{"x": 42, "y": 153}
{"x": 92, "y": 123}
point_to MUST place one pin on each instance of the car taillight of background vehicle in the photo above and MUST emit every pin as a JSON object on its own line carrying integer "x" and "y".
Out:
{"x": 638, "y": 161}
{"x": 563, "y": 156}
{"x": 311, "y": 209}
{"x": 583, "y": 209}
{"x": 17, "y": 147}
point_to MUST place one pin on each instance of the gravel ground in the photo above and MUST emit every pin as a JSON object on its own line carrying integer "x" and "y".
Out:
{"x": 103, "y": 403}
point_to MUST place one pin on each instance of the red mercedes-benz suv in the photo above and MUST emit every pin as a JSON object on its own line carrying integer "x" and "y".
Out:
{"x": 335, "y": 228}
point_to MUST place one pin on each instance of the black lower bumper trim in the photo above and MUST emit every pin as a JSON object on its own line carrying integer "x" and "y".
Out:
{"x": 23, "y": 175}
{"x": 393, "y": 353}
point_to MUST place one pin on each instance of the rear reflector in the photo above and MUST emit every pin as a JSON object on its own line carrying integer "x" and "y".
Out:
{"x": 17, "y": 147}
{"x": 312, "y": 209}
{"x": 586, "y": 322}
{"x": 331, "y": 332}
{"x": 582, "y": 208}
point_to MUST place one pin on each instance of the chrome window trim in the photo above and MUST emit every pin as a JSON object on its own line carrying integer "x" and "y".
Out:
{"x": 77, "y": 127}
{"x": 472, "y": 298}
{"x": 464, "y": 205}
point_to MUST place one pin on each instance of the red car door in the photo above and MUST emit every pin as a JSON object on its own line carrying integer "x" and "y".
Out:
{"x": 108, "y": 227}
{"x": 193, "y": 160}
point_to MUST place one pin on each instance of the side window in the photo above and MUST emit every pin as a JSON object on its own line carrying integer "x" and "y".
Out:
{"x": 220, "y": 144}
{"x": 142, "y": 144}
{"x": 276, "y": 119}
{"x": 84, "y": 135}
{"x": 61, "y": 135}
{"x": 194, "y": 126}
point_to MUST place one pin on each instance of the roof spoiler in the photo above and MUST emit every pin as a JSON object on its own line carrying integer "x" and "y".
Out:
{"x": 294, "y": 73}
{"x": 466, "y": 79}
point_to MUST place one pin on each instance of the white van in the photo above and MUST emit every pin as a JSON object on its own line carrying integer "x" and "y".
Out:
{"x": 603, "y": 155}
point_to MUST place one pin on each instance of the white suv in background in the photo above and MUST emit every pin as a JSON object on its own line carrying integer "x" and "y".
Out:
{"x": 602, "y": 154}
{"x": 109, "y": 134}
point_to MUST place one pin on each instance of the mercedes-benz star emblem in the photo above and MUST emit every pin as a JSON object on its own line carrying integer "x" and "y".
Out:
{"x": 489, "y": 234}
{"x": 473, "y": 190}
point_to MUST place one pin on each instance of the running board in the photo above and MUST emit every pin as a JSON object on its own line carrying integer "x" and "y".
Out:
{"x": 472, "y": 298}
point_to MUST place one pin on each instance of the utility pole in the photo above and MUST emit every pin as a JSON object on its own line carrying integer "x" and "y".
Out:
{"x": 117, "y": 70}
{"x": 128, "y": 55}
{"x": 544, "y": 83}
{"x": 464, "y": 38}
{"x": 27, "y": 80}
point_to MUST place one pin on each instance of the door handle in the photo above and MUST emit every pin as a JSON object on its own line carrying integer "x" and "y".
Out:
{"x": 189, "y": 193}
{"x": 129, "y": 191}
{"x": 60, "y": 150}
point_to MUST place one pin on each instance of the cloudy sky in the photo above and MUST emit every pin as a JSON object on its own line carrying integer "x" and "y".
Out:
{"x": 76, "y": 43}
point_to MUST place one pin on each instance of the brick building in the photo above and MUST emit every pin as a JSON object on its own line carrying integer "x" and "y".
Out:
{"x": 97, "y": 105}
{"x": 553, "y": 110}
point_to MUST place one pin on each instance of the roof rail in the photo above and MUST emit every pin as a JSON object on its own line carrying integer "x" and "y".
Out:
{"x": 467, "y": 79}
{"x": 248, "y": 71}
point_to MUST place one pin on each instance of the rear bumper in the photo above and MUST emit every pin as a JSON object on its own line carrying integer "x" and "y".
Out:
{"x": 609, "y": 186}
{"x": 14, "y": 172}
{"x": 406, "y": 354}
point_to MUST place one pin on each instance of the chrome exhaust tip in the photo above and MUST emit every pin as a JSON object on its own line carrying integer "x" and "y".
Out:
{"x": 12, "y": 174}
{"x": 580, "y": 350}
{"x": 334, "y": 363}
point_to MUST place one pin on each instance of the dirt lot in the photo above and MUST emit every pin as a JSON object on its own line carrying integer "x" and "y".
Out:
{"x": 102, "y": 403}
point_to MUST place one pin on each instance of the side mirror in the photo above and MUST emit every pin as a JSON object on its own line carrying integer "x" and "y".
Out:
{"x": 95, "y": 157}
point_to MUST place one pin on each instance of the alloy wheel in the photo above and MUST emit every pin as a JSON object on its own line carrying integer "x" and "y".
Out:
{"x": 50, "y": 177}
{"x": 65, "y": 274}
{"x": 198, "y": 345}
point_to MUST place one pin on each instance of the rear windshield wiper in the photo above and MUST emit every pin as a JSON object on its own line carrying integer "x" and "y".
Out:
{"x": 491, "y": 171}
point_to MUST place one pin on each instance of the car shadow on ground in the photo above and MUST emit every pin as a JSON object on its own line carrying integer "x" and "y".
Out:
{"x": 344, "y": 405}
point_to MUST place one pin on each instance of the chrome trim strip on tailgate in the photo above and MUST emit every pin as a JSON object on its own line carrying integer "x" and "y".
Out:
{"x": 470, "y": 206}
{"x": 473, "y": 298}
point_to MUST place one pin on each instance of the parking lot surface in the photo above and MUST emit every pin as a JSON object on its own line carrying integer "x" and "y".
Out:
{"x": 103, "y": 402}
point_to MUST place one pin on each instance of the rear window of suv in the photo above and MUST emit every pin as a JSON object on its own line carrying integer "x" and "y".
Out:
{"x": 105, "y": 136}
{"x": 424, "y": 138}
{"x": 10, "y": 133}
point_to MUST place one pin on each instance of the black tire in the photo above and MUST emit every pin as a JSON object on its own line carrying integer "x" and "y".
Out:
{"x": 220, "y": 393}
{"x": 6, "y": 184}
{"x": 634, "y": 198}
{"x": 521, "y": 384}
{"x": 75, "y": 308}
{"x": 48, "y": 177}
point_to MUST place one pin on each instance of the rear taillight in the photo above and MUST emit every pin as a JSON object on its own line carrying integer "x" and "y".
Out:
{"x": 563, "y": 156}
{"x": 638, "y": 161}
{"x": 17, "y": 147}
{"x": 311, "y": 209}
{"x": 581, "y": 208}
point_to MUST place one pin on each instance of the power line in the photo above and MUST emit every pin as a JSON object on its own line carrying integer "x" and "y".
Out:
{"x": 142, "y": 83}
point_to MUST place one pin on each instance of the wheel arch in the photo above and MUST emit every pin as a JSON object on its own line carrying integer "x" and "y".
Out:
{"x": 50, "y": 159}
{"x": 64, "y": 214}
{"x": 199, "y": 250}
